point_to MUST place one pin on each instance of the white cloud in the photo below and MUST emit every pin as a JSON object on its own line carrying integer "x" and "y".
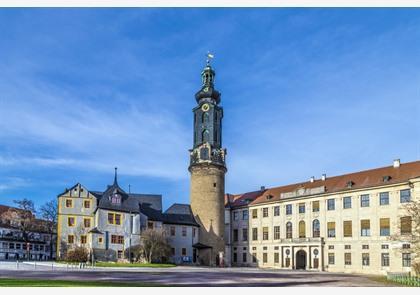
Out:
{"x": 9, "y": 183}
{"x": 39, "y": 116}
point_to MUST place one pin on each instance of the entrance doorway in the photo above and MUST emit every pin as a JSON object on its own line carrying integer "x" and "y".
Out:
{"x": 301, "y": 259}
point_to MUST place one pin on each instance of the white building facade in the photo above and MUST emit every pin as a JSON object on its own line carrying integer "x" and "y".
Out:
{"x": 344, "y": 223}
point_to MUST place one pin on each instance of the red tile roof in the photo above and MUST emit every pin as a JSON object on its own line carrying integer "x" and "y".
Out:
{"x": 362, "y": 179}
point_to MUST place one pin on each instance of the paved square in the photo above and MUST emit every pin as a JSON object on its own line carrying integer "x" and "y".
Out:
{"x": 188, "y": 276}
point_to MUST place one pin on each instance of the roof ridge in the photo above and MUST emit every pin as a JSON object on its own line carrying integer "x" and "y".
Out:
{"x": 331, "y": 177}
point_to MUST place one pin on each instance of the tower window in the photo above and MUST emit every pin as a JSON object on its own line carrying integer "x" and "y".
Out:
{"x": 205, "y": 136}
{"x": 214, "y": 184}
{"x": 204, "y": 153}
{"x": 205, "y": 117}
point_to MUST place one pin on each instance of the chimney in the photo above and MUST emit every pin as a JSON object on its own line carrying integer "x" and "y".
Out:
{"x": 312, "y": 178}
{"x": 262, "y": 188}
{"x": 323, "y": 177}
{"x": 397, "y": 163}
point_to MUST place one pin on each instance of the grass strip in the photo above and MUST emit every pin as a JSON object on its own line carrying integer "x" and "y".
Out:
{"x": 20, "y": 282}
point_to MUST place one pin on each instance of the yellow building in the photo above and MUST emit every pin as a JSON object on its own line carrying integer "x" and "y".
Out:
{"x": 341, "y": 223}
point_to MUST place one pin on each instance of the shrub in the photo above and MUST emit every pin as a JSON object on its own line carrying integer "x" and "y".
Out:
{"x": 77, "y": 254}
{"x": 416, "y": 267}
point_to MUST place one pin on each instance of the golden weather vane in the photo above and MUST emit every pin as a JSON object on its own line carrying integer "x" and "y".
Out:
{"x": 209, "y": 56}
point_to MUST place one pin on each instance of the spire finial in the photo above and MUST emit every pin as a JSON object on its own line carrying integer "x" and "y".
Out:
{"x": 209, "y": 56}
{"x": 115, "y": 176}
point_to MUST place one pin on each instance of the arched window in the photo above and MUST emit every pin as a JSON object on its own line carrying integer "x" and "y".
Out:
{"x": 289, "y": 230}
{"x": 315, "y": 228}
{"x": 302, "y": 230}
{"x": 205, "y": 136}
{"x": 205, "y": 117}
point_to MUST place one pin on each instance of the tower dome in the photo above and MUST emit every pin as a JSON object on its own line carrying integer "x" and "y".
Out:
{"x": 207, "y": 89}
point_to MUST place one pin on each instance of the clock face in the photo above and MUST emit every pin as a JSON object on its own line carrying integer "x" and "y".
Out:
{"x": 205, "y": 107}
{"x": 206, "y": 89}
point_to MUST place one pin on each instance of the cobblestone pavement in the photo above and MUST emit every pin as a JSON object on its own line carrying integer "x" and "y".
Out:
{"x": 188, "y": 276}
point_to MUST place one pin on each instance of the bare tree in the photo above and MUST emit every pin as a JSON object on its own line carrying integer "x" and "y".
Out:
{"x": 154, "y": 245}
{"x": 25, "y": 204}
{"x": 409, "y": 231}
{"x": 48, "y": 212}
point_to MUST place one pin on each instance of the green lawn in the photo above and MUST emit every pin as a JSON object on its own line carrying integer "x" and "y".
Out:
{"x": 112, "y": 264}
{"x": 385, "y": 281}
{"x": 62, "y": 283}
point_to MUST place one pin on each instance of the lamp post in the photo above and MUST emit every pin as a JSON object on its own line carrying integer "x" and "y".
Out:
{"x": 130, "y": 236}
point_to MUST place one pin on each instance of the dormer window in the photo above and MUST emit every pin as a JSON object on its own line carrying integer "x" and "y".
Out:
{"x": 115, "y": 199}
{"x": 350, "y": 184}
{"x": 386, "y": 178}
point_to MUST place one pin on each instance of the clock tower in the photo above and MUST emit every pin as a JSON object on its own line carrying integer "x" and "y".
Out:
{"x": 208, "y": 168}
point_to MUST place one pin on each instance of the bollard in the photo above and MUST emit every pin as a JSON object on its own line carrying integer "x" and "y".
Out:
{"x": 35, "y": 264}
{"x": 52, "y": 265}
{"x": 17, "y": 264}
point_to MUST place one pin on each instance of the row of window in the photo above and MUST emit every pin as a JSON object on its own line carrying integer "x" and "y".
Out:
{"x": 365, "y": 229}
{"x": 71, "y": 222}
{"x": 21, "y": 246}
{"x": 115, "y": 239}
{"x": 385, "y": 261}
{"x": 405, "y": 197}
{"x": 183, "y": 252}
{"x": 172, "y": 231}
{"x": 86, "y": 203}
{"x": 254, "y": 257}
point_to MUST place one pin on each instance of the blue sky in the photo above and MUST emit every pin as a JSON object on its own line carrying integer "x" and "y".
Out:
{"x": 304, "y": 91}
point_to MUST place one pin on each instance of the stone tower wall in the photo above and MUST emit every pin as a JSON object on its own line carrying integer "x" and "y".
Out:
{"x": 207, "y": 204}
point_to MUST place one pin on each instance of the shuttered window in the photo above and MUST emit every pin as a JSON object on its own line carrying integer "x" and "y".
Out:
{"x": 315, "y": 206}
{"x": 406, "y": 225}
{"x": 365, "y": 227}
{"x": 302, "y": 231}
{"x": 331, "y": 229}
{"x": 254, "y": 213}
{"x": 347, "y": 228}
{"x": 384, "y": 227}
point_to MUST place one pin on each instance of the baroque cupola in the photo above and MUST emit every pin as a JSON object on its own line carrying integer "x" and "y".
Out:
{"x": 207, "y": 91}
